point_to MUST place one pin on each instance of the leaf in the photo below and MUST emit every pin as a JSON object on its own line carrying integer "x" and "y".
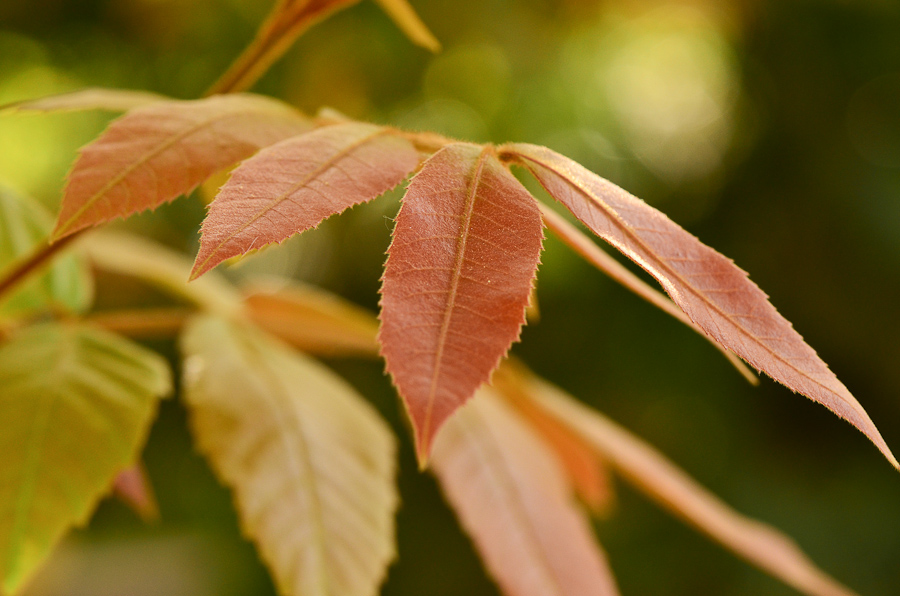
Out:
{"x": 588, "y": 473}
{"x": 113, "y": 100}
{"x": 144, "y": 259}
{"x": 132, "y": 487}
{"x": 409, "y": 22}
{"x": 310, "y": 462}
{"x": 24, "y": 225}
{"x": 650, "y": 471}
{"x": 294, "y": 185}
{"x": 77, "y": 404}
{"x": 714, "y": 293}
{"x": 457, "y": 280}
{"x": 155, "y": 153}
{"x": 512, "y": 498}
{"x": 314, "y": 321}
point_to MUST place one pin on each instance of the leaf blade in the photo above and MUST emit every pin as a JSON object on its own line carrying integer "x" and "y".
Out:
{"x": 756, "y": 542}
{"x": 302, "y": 452}
{"x": 513, "y": 500}
{"x": 292, "y": 186}
{"x": 155, "y": 153}
{"x": 713, "y": 292}
{"x": 83, "y": 401}
{"x": 112, "y": 100}
{"x": 405, "y": 17}
{"x": 456, "y": 283}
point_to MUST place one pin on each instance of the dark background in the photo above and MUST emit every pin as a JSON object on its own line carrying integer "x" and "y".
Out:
{"x": 771, "y": 130}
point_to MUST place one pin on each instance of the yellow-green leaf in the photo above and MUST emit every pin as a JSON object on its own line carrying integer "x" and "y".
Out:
{"x": 76, "y": 405}
{"x": 310, "y": 462}
{"x": 24, "y": 224}
{"x": 409, "y": 22}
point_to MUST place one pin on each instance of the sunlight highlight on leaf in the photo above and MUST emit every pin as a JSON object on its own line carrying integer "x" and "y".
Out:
{"x": 66, "y": 283}
{"x": 83, "y": 401}
{"x": 113, "y": 100}
{"x": 715, "y": 294}
{"x": 758, "y": 543}
{"x": 156, "y": 153}
{"x": 459, "y": 273}
{"x": 310, "y": 462}
{"x": 292, "y": 186}
{"x": 513, "y": 499}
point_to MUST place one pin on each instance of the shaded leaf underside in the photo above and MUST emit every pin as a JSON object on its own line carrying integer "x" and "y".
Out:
{"x": 712, "y": 291}
{"x": 458, "y": 276}
{"x": 155, "y": 153}
{"x": 82, "y": 401}
{"x": 513, "y": 500}
{"x": 292, "y": 186}
{"x": 310, "y": 462}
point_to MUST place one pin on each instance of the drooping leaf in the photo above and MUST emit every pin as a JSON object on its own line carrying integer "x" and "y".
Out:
{"x": 77, "y": 404}
{"x": 155, "y": 153}
{"x": 714, "y": 293}
{"x": 310, "y": 462}
{"x": 24, "y": 224}
{"x": 313, "y": 320}
{"x": 409, "y": 22}
{"x": 144, "y": 259}
{"x": 132, "y": 487}
{"x": 113, "y": 100}
{"x": 513, "y": 499}
{"x": 457, "y": 280}
{"x": 673, "y": 489}
{"x": 292, "y": 186}
{"x": 588, "y": 473}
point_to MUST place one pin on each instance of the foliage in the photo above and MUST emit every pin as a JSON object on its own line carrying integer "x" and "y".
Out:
{"x": 311, "y": 464}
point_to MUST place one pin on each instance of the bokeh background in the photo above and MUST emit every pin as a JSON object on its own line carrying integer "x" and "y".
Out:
{"x": 768, "y": 128}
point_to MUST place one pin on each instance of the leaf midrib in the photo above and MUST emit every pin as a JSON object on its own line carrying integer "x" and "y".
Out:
{"x": 461, "y": 244}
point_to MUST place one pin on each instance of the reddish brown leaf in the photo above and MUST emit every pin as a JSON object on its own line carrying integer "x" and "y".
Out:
{"x": 113, "y": 100}
{"x": 714, "y": 293}
{"x": 132, "y": 486}
{"x": 513, "y": 499}
{"x": 292, "y": 186}
{"x": 156, "y": 153}
{"x": 456, "y": 283}
{"x": 650, "y": 472}
{"x": 588, "y": 473}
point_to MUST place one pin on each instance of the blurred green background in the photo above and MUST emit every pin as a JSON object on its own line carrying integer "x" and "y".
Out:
{"x": 770, "y": 129}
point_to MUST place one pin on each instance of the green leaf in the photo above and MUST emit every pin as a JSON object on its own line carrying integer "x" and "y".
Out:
{"x": 311, "y": 464}
{"x": 24, "y": 224}
{"x": 77, "y": 404}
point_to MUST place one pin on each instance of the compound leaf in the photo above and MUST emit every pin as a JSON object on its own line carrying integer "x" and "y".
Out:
{"x": 457, "y": 280}
{"x": 513, "y": 499}
{"x": 155, "y": 153}
{"x": 292, "y": 186}
{"x": 711, "y": 290}
{"x": 77, "y": 404}
{"x": 310, "y": 462}
{"x": 24, "y": 225}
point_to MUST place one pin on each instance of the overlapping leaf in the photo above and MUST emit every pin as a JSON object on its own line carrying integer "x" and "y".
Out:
{"x": 293, "y": 185}
{"x": 113, "y": 100}
{"x": 714, "y": 293}
{"x": 313, "y": 320}
{"x": 77, "y": 405}
{"x": 310, "y": 462}
{"x": 514, "y": 501}
{"x": 157, "y": 152}
{"x": 24, "y": 224}
{"x": 457, "y": 280}
{"x": 651, "y": 472}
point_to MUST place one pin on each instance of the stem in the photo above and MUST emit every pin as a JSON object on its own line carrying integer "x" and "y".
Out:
{"x": 143, "y": 323}
{"x": 20, "y": 271}
{"x": 593, "y": 254}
